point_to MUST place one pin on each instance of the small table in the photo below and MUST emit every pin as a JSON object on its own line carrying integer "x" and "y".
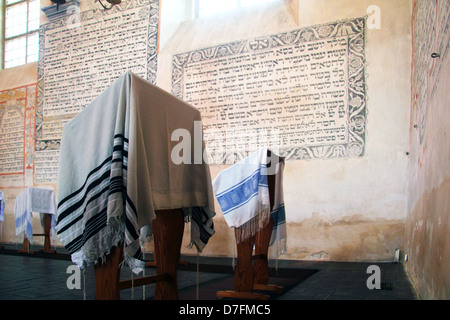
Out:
{"x": 35, "y": 200}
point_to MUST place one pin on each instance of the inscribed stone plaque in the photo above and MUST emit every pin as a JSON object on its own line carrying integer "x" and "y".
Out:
{"x": 17, "y": 122}
{"x": 80, "y": 56}
{"x": 301, "y": 93}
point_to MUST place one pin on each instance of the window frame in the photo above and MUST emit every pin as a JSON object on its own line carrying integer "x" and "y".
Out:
{"x": 3, "y": 37}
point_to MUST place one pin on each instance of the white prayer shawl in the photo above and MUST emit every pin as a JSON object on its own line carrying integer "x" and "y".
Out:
{"x": 33, "y": 200}
{"x": 243, "y": 195}
{"x": 115, "y": 171}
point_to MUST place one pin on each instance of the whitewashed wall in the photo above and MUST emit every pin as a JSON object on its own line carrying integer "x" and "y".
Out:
{"x": 341, "y": 208}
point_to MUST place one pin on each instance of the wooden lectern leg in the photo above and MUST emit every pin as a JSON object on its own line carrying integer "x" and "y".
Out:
{"x": 168, "y": 235}
{"x": 261, "y": 264}
{"x": 262, "y": 241}
{"x": 243, "y": 275}
{"x": 107, "y": 276}
{"x": 246, "y": 277}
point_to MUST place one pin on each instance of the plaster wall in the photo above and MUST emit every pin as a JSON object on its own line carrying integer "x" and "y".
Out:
{"x": 336, "y": 209}
{"x": 427, "y": 224}
{"x": 19, "y": 76}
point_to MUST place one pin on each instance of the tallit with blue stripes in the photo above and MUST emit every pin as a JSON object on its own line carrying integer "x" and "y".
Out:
{"x": 243, "y": 195}
{"x": 115, "y": 171}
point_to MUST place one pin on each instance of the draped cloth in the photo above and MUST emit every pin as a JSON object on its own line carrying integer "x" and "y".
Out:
{"x": 243, "y": 195}
{"x": 278, "y": 213}
{"x": 33, "y": 200}
{"x": 115, "y": 171}
{"x": 2, "y": 213}
{"x": 2, "y": 206}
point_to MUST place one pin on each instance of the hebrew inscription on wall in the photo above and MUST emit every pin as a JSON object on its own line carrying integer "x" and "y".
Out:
{"x": 301, "y": 93}
{"x": 80, "y": 57}
{"x": 17, "y": 122}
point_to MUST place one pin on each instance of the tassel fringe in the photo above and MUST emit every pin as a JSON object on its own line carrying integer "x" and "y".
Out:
{"x": 251, "y": 227}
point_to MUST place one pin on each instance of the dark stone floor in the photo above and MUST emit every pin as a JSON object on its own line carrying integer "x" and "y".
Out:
{"x": 44, "y": 277}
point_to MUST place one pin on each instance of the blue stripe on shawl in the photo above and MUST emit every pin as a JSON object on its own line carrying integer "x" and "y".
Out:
{"x": 242, "y": 192}
{"x": 278, "y": 216}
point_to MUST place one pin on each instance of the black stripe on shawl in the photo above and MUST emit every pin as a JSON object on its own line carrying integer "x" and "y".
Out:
{"x": 199, "y": 217}
{"x": 130, "y": 229}
{"x": 92, "y": 227}
{"x": 62, "y": 215}
{"x": 99, "y": 220}
{"x": 75, "y": 206}
{"x": 107, "y": 160}
{"x": 61, "y": 230}
{"x": 93, "y": 171}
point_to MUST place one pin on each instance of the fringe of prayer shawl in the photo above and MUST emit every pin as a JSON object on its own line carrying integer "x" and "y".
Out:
{"x": 252, "y": 227}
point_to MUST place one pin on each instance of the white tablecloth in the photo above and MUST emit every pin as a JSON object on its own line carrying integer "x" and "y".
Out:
{"x": 29, "y": 201}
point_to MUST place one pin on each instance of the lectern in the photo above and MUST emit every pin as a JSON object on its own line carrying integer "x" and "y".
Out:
{"x": 124, "y": 167}
{"x": 253, "y": 179}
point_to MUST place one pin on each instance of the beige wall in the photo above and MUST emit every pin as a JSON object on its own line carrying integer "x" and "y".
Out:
{"x": 13, "y": 78}
{"x": 352, "y": 209}
{"x": 428, "y": 205}
{"x": 337, "y": 209}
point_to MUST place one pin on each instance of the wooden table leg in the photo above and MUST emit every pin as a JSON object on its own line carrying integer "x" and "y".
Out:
{"x": 26, "y": 246}
{"x": 168, "y": 230}
{"x": 47, "y": 230}
{"x": 107, "y": 276}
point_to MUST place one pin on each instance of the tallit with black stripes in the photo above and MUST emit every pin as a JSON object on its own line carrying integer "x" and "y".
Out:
{"x": 115, "y": 170}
